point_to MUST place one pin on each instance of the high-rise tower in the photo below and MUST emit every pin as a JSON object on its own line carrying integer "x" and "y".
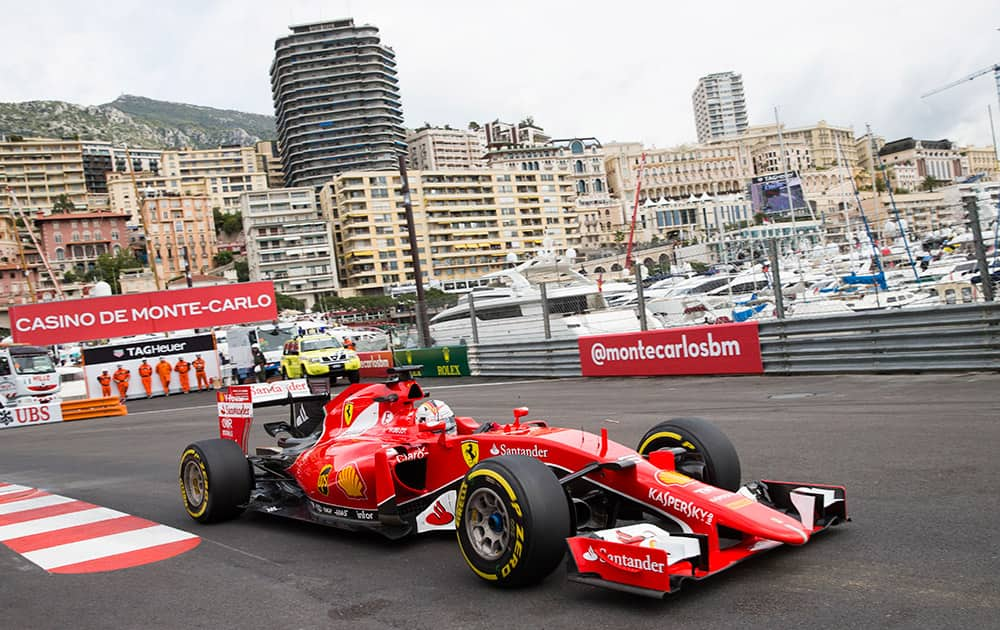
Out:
{"x": 336, "y": 101}
{"x": 720, "y": 108}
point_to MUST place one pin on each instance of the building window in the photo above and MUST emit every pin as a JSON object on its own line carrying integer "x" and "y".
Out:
{"x": 598, "y": 185}
{"x": 60, "y": 253}
{"x": 75, "y": 236}
{"x": 578, "y": 166}
{"x": 57, "y": 237}
{"x": 581, "y": 187}
{"x": 576, "y": 148}
{"x": 114, "y": 235}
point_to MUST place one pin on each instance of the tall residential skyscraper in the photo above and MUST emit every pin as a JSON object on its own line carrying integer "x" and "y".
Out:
{"x": 720, "y": 108}
{"x": 336, "y": 100}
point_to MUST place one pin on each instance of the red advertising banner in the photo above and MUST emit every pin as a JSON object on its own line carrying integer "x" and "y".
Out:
{"x": 142, "y": 313}
{"x": 375, "y": 364}
{"x": 718, "y": 349}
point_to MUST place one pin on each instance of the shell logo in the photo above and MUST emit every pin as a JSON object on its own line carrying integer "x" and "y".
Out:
{"x": 672, "y": 478}
{"x": 351, "y": 483}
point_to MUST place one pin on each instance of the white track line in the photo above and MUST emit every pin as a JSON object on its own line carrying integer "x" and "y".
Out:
{"x": 13, "y": 488}
{"x": 95, "y": 548}
{"x": 31, "y": 504}
{"x": 62, "y": 521}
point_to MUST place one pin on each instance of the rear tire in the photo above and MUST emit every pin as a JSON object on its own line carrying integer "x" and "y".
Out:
{"x": 215, "y": 480}
{"x": 722, "y": 464}
{"x": 513, "y": 520}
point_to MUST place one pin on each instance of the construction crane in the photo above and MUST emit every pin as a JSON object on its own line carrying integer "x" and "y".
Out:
{"x": 995, "y": 69}
{"x": 38, "y": 248}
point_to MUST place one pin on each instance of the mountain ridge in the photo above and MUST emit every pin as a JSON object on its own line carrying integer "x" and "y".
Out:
{"x": 138, "y": 121}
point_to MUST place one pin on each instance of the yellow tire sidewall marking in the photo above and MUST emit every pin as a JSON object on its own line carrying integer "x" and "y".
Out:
{"x": 460, "y": 508}
{"x": 195, "y": 455}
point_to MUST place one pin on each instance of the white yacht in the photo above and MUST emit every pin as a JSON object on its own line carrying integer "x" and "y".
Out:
{"x": 509, "y": 307}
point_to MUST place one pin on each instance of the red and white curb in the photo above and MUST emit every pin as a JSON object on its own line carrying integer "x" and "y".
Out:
{"x": 63, "y": 535}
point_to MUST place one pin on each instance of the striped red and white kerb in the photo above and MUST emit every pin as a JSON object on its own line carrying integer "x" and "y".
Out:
{"x": 63, "y": 535}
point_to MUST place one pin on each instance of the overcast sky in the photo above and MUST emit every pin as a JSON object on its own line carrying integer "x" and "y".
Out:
{"x": 621, "y": 70}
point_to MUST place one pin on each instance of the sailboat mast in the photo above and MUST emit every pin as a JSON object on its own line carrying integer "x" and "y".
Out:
{"x": 895, "y": 210}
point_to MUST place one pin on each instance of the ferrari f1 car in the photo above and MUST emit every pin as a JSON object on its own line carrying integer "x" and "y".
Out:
{"x": 518, "y": 494}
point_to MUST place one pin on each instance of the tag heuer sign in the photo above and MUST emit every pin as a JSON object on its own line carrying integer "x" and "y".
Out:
{"x": 148, "y": 349}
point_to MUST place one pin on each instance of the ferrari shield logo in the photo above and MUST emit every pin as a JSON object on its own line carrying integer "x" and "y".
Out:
{"x": 348, "y": 413}
{"x": 470, "y": 452}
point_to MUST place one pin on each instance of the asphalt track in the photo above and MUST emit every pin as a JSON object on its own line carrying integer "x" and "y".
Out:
{"x": 918, "y": 455}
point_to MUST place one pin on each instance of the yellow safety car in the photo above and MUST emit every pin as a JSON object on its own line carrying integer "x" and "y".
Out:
{"x": 319, "y": 355}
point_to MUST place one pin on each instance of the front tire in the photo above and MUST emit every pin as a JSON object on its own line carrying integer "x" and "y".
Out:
{"x": 722, "y": 464}
{"x": 215, "y": 480}
{"x": 354, "y": 376}
{"x": 513, "y": 520}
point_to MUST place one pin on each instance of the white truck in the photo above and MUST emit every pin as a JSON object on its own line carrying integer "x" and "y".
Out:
{"x": 270, "y": 338}
{"x": 27, "y": 376}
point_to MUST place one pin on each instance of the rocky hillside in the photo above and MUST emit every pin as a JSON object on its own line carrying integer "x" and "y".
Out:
{"x": 138, "y": 121}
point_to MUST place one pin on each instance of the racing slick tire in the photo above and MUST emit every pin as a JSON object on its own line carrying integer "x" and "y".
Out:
{"x": 513, "y": 520}
{"x": 354, "y": 376}
{"x": 722, "y": 464}
{"x": 215, "y": 480}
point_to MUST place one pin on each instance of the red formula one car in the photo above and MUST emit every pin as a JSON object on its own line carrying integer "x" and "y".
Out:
{"x": 641, "y": 520}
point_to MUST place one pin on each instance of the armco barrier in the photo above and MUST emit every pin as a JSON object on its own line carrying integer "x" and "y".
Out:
{"x": 944, "y": 338}
{"x": 541, "y": 358}
{"x": 92, "y": 408}
{"x": 937, "y": 339}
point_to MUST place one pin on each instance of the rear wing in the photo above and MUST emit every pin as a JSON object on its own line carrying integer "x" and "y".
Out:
{"x": 305, "y": 398}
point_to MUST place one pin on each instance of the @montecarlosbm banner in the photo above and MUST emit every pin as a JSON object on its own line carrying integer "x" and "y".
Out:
{"x": 142, "y": 313}
{"x": 717, "y": 349}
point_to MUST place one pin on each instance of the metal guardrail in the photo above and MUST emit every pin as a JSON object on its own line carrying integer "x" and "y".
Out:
{"x": 938, "y": 339}
{"x": 555, "y": 358}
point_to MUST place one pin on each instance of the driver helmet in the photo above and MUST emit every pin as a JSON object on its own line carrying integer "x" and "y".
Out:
{"x": 434, "y": 412}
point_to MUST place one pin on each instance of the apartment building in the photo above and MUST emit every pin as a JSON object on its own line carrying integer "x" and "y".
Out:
{"x": 289, "y": 241}
{"x": 336, "y": 101}
{"x": 677, "y": 173}
{"x": 821, "y": 139}
{"x": 939, "y": 159}
{"x": 720, "y": 106}
{"x": 441, "y": 149}
{"x": 181, "y": 233}
{"x": 122, "y": 190}
{"x": 74, "y": 240}
{"x": 269, "y": 163}
{"x": 467, "y": 222}
{"x": 598, "y": 212}
{"x": 227, "y": 173}
{"x": 501, "y": 135}
{"x": 38, "y": 170}
{"x": 101, "y": 158}
{"x": 980, "y": 160}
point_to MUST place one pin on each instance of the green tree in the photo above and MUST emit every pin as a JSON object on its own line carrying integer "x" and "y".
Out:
{"x": 229, "y": 223}
{"x": 223, "y": 257}
{"x": 63, "y": 204}
{"x": 287, "y": 302}
{"x": 242, "y": 270}
{"x": 697, "y": 266}
{"x": 108, "y": 268}
{"x": 930, "y": 183}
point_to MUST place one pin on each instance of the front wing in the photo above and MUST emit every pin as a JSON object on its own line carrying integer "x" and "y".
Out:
{"x": 646, "y": 560}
